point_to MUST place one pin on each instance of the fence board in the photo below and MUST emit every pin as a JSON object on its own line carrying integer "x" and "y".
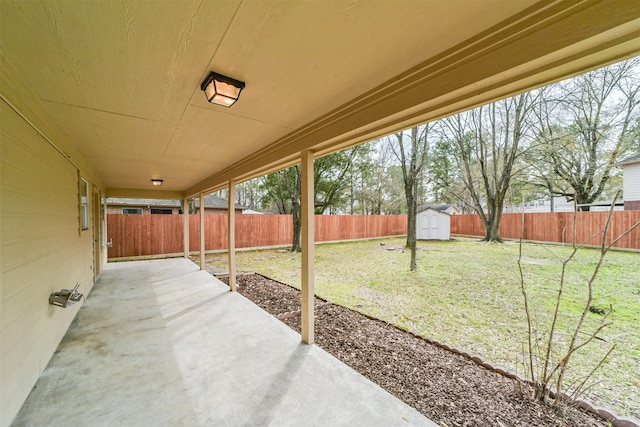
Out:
{"x": 143, "y": 235}
{"x": 558, "y": 227}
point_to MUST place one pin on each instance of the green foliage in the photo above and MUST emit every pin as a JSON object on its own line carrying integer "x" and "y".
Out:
{"x": 281, "y": 189}
{"x": 331, "y": 179}
{"x": 278, "y": 188}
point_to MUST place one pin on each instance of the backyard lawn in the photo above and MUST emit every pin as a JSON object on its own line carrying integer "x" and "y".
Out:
{"x": 466, "y": 294}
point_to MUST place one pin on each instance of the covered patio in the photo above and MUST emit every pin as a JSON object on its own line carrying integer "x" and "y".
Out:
{"x": 164, "y": 343}
{"x": 111, "y": 99}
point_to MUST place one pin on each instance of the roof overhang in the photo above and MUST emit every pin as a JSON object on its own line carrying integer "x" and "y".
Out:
{"x": 117, "y": 83}
{"x": 630, "y": 161}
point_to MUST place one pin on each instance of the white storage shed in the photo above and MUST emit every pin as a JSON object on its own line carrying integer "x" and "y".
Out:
{"x": 433, "y": 224}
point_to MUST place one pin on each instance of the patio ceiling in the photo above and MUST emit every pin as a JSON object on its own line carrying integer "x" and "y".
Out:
{"x": 121, "y": 80}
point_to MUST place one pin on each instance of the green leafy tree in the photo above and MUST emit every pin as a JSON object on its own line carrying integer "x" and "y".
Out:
{"x": 331, "y": 178}
{"x": 282, "y": 189}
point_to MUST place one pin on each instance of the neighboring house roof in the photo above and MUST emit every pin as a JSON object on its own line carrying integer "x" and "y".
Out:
{"x": 443, "y": 207}
{"x": 210, "y": 201}
{"x": 629, "y": 161}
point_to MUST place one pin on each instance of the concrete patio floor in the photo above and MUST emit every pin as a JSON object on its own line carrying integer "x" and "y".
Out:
{"x": 161, "y": 343}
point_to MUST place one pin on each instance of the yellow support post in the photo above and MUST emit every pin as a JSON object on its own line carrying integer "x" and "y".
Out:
{"x": 202, "y": 264}
{"x": 185, "y": 217}
{"x": 308, "y": 249}
{"x": 232, "y": 235}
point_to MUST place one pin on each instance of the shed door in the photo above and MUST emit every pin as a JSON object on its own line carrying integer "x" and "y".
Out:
{"x": 423, "y": 226}
{"x": 433, "y": 225}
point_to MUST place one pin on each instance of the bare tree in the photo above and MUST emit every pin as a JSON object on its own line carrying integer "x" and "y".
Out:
{"x": 411, "y": 148}
{"x": 376, "y": 181}
{"x": 248, "y": 194}
{"x": 591, "y": 124}
{"x": 549, "y": 355}
{"x": 488, "y": 141}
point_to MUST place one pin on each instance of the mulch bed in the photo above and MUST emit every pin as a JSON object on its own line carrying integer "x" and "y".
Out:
{"x": 448, "y": 388}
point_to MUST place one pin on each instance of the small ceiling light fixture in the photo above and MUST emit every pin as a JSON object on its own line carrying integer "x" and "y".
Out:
{"x": 221, "y": 90}
{"x": 157, "y": 182}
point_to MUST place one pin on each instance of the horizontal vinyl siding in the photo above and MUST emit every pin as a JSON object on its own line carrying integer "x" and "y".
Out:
{"x": 41, "y": 252}
{"x": 631, "y": 187}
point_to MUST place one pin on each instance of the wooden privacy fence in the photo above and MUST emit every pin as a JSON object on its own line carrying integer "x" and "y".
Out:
{"x": 143, "y": 235}
{"x": 557, "y": 227}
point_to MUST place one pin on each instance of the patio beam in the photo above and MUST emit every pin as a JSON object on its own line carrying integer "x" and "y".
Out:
{"x": 202, "y": 267}
{"x": 232, "y": 235}
{"x": 308, "y": 250}
{"x": 185, "y": 233}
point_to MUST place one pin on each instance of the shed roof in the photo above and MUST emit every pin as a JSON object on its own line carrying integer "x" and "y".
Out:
{"x": 434, "y": 210}
{"x": 442, "y": 207}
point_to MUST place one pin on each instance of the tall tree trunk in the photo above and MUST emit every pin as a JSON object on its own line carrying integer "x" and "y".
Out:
{"x": 492, "y": 226}
{"x": 351, "y": 196}
{"x": 296, "y": 245}
{"x": 411, "y": 227}
{"x": 413, "y": 158}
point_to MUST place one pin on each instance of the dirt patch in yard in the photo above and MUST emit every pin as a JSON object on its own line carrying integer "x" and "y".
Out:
{"x": 534, "y": 261}
{"x": 449, "y": 388}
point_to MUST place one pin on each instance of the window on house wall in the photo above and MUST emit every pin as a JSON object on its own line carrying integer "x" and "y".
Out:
{"x": 84, "y": 204}
{"x": 132, "y": 211}
{"x": 158, "y": 211}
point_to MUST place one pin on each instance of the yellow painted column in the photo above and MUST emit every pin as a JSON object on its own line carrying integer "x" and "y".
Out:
{"x": 202, "y": 264}
{"x": 185, "y": 217}
{"x": 232, "y": 235}
{"x": 308, "y": 249}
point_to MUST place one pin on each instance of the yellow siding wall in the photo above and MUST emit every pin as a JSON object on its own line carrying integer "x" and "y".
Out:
{"x": 42, "y": 251}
